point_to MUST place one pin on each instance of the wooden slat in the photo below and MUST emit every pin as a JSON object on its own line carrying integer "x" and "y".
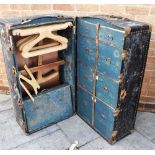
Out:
{"x": 43, "y": 67}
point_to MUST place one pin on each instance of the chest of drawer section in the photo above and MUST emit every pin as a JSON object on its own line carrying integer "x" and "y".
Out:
{"x": 86, "y": 50}
{"x": 84, "y": 108}
{"x": 109, "y": 60}
{"x": 107, "y": 90}
{"x": 103, "y": 119}
{"x": 85, "y": 76}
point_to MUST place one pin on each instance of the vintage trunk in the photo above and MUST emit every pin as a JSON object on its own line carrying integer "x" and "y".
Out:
{"x": 54, "y": 71}
{"x": 92, "y": 66}
{"x": 111, "y": 57}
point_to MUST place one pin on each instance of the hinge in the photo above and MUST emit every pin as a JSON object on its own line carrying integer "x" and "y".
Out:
{"x": 124, "y": 55}
{"x": 127, "y": 31}
{"x": 60, "y": 16}
{"x": 122, "y": 94}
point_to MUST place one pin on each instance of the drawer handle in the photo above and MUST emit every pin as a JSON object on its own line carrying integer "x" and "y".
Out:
{"x": 110, "y": 37}
{"x": 105, "y": 89}
{"x": 108, "y": 60}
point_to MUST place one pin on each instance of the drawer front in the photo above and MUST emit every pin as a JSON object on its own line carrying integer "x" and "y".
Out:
{"x": 84, "y": 105}
{"x": 85, "y": 28}
{"x": 107, "y": 90}
{"x": 48, "y": 108}
{"x": 111, "y": 37}
{"x": 85, "y": 76}
{"x": 86, "y": 50}
{"x": 109, "y": 61}
{"x": 103, "y": 119}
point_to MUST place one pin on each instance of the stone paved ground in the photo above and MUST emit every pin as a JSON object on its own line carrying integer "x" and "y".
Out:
{"x": 63, "y": 134}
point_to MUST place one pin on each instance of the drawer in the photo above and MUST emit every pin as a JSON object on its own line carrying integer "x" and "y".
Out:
{"x": 85, "y": 28}
{"x": 111, "y": 37}
{"x": 48, "y": 107}
{"x": 109, "y": 61}
{"x": 86, "y": 50}
{"x": 85, "y": 76}
{"x": 103, "y": 119}
{"x": 84, "y": 105}
{"x": 107, "y": 90}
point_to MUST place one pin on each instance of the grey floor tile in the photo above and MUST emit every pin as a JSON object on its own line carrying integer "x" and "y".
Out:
{"x": 5, "y": 115}
{"x": 135, "y": 141}
{"x": 11, "y": 135}
{"x": 145, "y": 124}
{"x": 76, "y": 129}
{"x": 4, "y": 97}
{"x": 52, "y": 141}
{"x": 5, "y": 102}
{"x": 153, "y": 140}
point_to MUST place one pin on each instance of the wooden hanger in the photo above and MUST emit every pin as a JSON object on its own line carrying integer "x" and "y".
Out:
{"x": 40, "y": 78}
{"x": 31, "y": 82}
{"x": 36, "y": 34}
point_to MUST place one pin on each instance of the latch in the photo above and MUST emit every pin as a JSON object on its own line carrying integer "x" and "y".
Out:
{"x": 25, "y": 21}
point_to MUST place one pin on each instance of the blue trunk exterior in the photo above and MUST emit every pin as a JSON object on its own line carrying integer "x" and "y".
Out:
{"x": 111, "y": 57}
{"x": 48, "y": 107}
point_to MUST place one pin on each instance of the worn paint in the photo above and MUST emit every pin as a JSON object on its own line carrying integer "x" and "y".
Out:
{"x": 35, "y": 119}
{"x": 48, "y": 107}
